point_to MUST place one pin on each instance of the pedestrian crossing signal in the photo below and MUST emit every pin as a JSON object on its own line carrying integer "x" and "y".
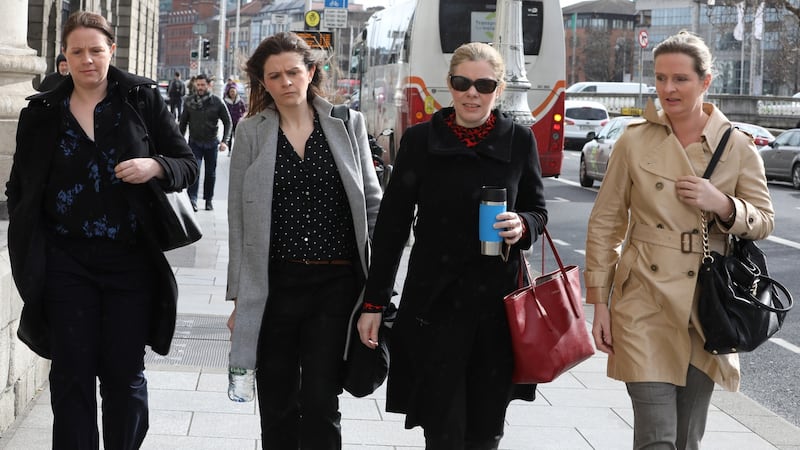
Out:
{"x": 206, "y": 48}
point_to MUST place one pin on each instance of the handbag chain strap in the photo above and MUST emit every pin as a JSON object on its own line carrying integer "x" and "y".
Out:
{"x": 707, "y": 174}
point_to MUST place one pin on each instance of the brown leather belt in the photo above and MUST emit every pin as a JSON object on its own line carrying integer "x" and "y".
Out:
{"x": 324, "y": 262}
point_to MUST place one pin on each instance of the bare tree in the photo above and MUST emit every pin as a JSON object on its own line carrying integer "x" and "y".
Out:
{"x": 598, "y": 64}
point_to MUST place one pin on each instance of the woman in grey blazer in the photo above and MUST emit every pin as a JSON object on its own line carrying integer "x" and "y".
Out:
{"x": 303, "y": 200}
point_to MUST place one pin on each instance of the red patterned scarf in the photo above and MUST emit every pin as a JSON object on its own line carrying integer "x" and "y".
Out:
{"x": 470, "y": 136}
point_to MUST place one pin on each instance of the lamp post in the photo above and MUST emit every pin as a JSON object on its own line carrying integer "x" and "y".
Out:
{"x": 508, "y": 41}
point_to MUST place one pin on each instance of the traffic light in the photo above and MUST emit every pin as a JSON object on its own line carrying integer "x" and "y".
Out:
{"x": 206, "y": 48}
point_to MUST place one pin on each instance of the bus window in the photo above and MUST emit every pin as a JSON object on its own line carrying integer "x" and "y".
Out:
{"x": 474, "y": 20}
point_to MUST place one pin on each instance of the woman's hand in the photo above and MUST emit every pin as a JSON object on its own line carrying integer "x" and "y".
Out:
{"x": 138, "y": 170}
{"x": 232, "y": 319}
{"x": 601, "y": 329}
{"x": 511, "y": 224}
{"x": 700, "y": 193}
{"x": 368, "y": 326}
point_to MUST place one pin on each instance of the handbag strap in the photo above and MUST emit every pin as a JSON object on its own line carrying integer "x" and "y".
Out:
{"x": 707, "y": 174}
{"x": 717, "y": 153}
{"x": 524, "y": 262}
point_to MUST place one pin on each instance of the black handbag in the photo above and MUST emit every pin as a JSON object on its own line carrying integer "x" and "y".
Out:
{"x": 174, "y": 220}
{"x": 366, "y": 369}
{"x": 740, "y": 305}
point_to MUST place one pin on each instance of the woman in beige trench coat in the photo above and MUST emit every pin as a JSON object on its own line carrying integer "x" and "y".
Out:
{"x": 643, "y": 247}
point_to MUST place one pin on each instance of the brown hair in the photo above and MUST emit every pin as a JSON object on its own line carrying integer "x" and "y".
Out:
{"x": 278, "y": 43}
{"x": 691, "y": 45}
{"x": 84, "y": 19}
{"x": 478, "y": 51}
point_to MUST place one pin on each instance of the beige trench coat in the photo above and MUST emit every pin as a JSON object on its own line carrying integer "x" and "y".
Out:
{"x": 643, "y": 248}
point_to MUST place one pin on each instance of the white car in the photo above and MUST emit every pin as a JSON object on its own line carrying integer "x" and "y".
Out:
{"x": 580, "y": 118}
{"x": 596, "y": 152}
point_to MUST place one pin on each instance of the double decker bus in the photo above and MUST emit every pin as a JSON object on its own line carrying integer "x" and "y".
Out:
{"x": 403, "y": 55}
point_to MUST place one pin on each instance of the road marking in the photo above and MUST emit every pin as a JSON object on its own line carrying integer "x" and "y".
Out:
{"x": 565, "y": 181}
{"x": 582, "y": 252}
{"x": 786, "y": 345}
{"x": 560, "y": 242}
{"x": 559, "y": 199}
{"x": 786, "y": 242}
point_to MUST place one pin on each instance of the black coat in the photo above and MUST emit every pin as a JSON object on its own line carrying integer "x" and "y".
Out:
{"x": 37, "y": 135}
{"x": 449, "y": 286}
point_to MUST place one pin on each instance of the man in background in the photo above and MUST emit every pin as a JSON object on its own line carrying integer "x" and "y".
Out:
{"x": 176, "y": 91}
{"x": 54, "y": 79}
{"x": 201, "y": 113}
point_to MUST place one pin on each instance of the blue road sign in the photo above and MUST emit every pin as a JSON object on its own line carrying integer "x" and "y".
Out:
{"x": 336, "y": 3}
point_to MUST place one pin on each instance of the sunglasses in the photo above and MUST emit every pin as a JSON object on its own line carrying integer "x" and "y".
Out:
{"x": 482, "y": 85}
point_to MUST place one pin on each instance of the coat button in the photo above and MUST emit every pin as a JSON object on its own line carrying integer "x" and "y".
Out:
{"x": 654, "y": 267}
{"x": 690, "y": 273}
{"x": 751, "y": 220}
{"x": 660, "y": 226}
{"x": 659, "y": 186}
{"x": 695, "y": 231}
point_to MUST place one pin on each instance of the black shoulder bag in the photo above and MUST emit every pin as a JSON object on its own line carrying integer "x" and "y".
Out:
{"x": 740, "y": 306}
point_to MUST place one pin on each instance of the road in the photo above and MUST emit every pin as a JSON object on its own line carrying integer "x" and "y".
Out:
{"x": 769, "y": 374}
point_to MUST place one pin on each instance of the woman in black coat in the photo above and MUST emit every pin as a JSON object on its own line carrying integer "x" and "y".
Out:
{"x": 451, "y": 353}
{"x": 95, "y": 285}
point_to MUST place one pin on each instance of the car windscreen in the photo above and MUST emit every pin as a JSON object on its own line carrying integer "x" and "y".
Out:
{"x": 586, "y": 114}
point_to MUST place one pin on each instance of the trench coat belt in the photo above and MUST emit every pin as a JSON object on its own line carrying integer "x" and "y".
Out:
{"x": 685, "y": 241}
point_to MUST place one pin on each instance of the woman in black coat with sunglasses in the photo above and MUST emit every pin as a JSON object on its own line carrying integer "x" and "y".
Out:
{"x": 451, "y": 351}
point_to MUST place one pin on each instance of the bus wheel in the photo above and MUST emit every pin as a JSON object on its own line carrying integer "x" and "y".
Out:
{"x": 586, "y": 180}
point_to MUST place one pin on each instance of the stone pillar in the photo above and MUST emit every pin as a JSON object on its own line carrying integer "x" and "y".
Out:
{"x": 18, "y": 65}
{"x": 508, "y": 41}
{"x": 22, "y": 373}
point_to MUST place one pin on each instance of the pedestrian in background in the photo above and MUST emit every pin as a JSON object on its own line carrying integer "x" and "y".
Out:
{"x": 650, "y": 201}
{"x": 95, "y": 285}
{"x": 202, "y": 113}
{"x": 54, "y": 79}
{"x": 303, "y": 199}
{"x": 190, "y": 85}
{"x": 176, "y": 91}
{"x": 451, "y": 349}
{"x": 236, "y": 108}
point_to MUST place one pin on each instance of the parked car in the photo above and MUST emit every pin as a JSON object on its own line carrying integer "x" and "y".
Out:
{"x": 761, "y": 136}
{"x": 782, "y": 157}
{"x": 595, "y": 153}
{"x": 580, "y": 118}
{"x": 162, "y": 88}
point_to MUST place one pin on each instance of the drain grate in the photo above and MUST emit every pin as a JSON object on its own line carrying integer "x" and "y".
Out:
{"x": 200, "y": 341}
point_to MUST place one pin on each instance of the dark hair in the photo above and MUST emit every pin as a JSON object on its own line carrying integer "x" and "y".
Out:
{"x": 61, "y": 58}
{"x": 202, "y": 76}
{"x": 278, "y": 43}
{"x": 177, "y": 74}
{"x": 84, "y": 19}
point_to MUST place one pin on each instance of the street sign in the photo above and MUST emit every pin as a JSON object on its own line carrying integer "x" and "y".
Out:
{"x": 280, "y": 19}
{"x": 335, "y": 3}
{"x": 193, "y": 65}
{"x": 643, "y": 38}
{"x": 312, "y": 19}
{"x": 199, "y": 28}
{"x": 334, "y": 18}
{"x": 317, "y": 39}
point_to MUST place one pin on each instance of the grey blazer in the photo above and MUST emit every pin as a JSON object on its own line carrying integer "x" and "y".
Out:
{"x": 250, "y": 211}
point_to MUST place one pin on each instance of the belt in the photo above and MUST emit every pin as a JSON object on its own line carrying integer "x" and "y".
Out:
{"x": 686, "y": 241}
{"x": 324, "y": 262}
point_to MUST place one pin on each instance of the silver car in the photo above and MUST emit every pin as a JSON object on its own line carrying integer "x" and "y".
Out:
{"x": 595, "y": 153}
{"x": 782, "y": 157}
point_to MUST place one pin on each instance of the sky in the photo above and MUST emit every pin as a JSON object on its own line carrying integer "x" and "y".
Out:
{"x": 370, "y": 3}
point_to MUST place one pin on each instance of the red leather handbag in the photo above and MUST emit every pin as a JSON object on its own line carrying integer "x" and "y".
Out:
{"x": 548, "y": 327}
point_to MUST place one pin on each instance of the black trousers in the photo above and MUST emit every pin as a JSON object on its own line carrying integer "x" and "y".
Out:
{"x": 97, "y": 302}
{"x": 300, "y": 355}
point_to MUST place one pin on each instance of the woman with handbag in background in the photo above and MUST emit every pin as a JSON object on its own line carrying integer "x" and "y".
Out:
{"x": 303, "y": 200}
{"x": 82, "y": 236}
{"x": 451, "y": 358}
{"x": 650, "y": 206}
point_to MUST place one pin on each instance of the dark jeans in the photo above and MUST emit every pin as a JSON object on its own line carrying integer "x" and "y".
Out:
{"x": 176, "y": 106}
{"x": 207, "y": 151}
{"x": 97, "y": 303}
{"x": 300, "y": 355}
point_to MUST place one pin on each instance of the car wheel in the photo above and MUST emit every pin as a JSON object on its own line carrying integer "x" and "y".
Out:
{"x": 586, "y": 180}
{"x": 796, "y": 176}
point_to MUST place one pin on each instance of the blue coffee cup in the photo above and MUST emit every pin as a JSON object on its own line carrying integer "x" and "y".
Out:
{"x": 493, "y": 202}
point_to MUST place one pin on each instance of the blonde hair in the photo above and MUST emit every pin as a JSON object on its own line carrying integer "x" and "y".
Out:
{"x": 478, "y": 51}
{"x": 691, "y": 45}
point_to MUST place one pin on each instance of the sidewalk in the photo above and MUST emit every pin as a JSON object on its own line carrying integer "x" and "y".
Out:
{"x": 189, "y": 408}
